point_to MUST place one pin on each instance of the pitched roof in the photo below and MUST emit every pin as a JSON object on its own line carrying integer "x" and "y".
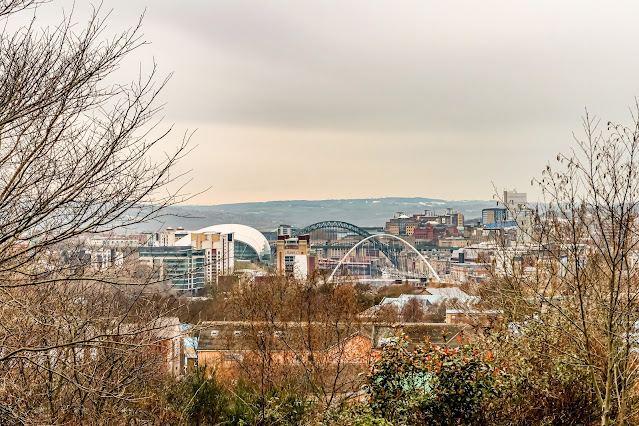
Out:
{"x": 278, "y": 336}
{"x": 401, "y": 300}
{"x": 437, "y": 333}
{"x": 296, "y": 336}
{"x": 451, "y": 293}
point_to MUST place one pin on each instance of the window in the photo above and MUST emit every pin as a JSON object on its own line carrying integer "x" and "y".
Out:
{"x": 237, "y": 333}
{"x": 214, "y": 333}
{"x": 233, "y": 356}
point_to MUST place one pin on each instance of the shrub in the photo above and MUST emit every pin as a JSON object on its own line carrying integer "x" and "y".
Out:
{"x": 201, "y": 400}
{"x": 358, "y": 414}
{"x": 543, "y": 387}
{"x": 431, "y": 384}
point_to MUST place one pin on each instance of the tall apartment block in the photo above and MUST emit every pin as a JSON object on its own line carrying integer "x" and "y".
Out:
{"x": 219, "y": 250}
{"x": 188, "y": 260}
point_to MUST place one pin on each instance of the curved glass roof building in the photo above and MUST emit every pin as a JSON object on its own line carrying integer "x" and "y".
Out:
{"x": 250, "y": 244}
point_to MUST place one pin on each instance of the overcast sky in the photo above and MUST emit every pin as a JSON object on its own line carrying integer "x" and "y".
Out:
{"x": 355, "y": 99}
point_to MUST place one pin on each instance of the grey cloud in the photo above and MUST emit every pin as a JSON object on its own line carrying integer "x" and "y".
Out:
{"x": 474, "y": 91}
{"x": 402, "y": 65}
{"x": 409, "y": 65}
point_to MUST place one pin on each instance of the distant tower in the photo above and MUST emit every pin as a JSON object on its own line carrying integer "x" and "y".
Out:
{"x": 514, "y": 202}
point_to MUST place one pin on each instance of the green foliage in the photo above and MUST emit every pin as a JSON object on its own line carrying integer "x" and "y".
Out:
{"x": 278, "y": 406}
{"x": 199, "y": 400}
{"x": 425, "y": 385}
{"x": 431, "y": 384}
{"x": 561, "y": 395}
{"x": 359, "y": 414}
{"x": 561, "y": 390}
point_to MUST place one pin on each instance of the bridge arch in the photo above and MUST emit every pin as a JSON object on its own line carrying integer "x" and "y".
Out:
{"x": 384, "y": 248}
{"x": 332, "y": 224}
{"x": 373, "y": 237}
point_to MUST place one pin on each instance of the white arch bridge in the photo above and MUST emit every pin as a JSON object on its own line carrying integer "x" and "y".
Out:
{"x": 341, "y": 261}
{"x": 388, "y": 251}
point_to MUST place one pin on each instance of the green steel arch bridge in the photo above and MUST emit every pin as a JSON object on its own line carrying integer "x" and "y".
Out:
{"x": 389, "y": 251}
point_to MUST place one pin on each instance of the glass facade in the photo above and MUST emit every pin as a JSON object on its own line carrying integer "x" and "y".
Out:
{"x": 244, "y": 251}
{"x": 184, "y": 267}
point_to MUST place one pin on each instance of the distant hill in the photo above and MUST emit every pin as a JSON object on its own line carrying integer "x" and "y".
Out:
{"x": 268, "y": 215}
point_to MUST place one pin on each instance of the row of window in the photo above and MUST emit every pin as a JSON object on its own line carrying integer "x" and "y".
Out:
{"x": 215, "y": 333}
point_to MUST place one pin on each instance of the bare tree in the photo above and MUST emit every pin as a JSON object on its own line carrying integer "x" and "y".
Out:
{"x": 75, "y": 158}
{"x": 582, "y": 242}
{"x": 74, "y": 150}
{"x": 413, "y": 310}
{"x": 385, "y": 314}
{"x": 70, "y": 354}
{"x": 306, "y": 327}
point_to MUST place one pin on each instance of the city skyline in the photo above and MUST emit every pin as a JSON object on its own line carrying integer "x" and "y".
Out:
{"x": 374, "y": 100}
{"x": 352, "y": 236}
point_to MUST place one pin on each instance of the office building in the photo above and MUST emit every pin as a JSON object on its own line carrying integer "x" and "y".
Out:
{"x": 401, "y": 225}
{"x": 448, "y": 217}
{"x": 405, "y": 226}
{"x": 514, "y": 202}
{"x": 182, "y": 267}
{"x": 494, "y": 215}
{"x": 284, "y": 230}
{"x": 294, "y": 257}
{"x": 189, "y": 260}
{"x": 168, "y": 237}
